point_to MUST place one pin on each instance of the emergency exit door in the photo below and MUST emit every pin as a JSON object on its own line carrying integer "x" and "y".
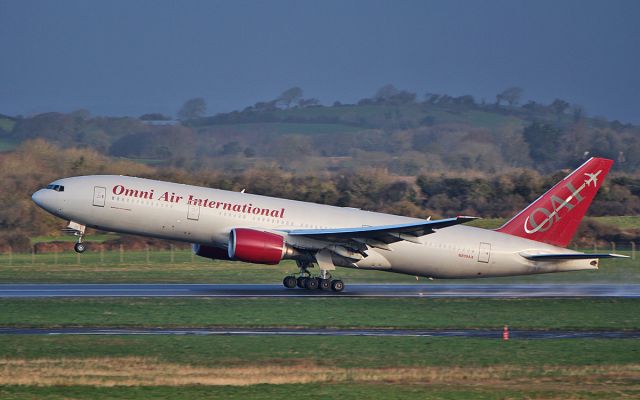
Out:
{"x": 99, "y": 195}
{"x": 484, "y": 253}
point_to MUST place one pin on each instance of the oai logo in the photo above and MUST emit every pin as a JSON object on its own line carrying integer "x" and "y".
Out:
{"x": 542, "y": 219}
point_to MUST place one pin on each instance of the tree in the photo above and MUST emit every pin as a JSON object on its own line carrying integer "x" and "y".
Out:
{"x": 543, "y": 140}
{"x": 389, "y": 94}
{"x": 192, "y": 108}
{"x": 559, "y": 106}
{"x": 511, "y": 95}
{"x": 154, "y": 117}
{"x": 386, "y": 92}
{"x": 308, "y": 102}
{"x": 81, "y": 114}
{"x": 289, "y": 96}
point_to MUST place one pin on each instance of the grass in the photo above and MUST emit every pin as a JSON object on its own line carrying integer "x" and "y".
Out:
{"x": 598, "y": 314}
{"x": 322, "y": 351}
{"x": 270, "y": 367}
{"x": 7, "y": 124}
{"x": 284, "y": 128}
{"x": 97, "y": 238}
{"x": 7, "y": 145}
{"x": 622, "y": 222}
{"x": 345, "y": 391}
{"x": 317, "y": 367}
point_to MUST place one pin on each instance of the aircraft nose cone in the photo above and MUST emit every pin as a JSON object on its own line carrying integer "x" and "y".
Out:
{"x": 37, "y": 197}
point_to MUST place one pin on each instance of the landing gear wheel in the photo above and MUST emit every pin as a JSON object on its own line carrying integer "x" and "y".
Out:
{"x": 289, "y": 282}
{"x": 337, "y": 285}
{"x": 300, "y": 282}
{"x": 325, "y": 284}
{"x": 312, "y": 283}
{"x": 79, "y": 247}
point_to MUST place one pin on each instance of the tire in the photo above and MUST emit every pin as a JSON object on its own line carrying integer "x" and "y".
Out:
{"x": 337, "y": 285}
{"x": 312, "y": 283}
{"x": 300, "y": 282}
{"x": 325, "y": 284}
{"x": 289, "y": 282}
{"x": 79, "y": 247}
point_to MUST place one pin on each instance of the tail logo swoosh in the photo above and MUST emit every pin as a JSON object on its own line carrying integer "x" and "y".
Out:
{"x": 547, "y": 218}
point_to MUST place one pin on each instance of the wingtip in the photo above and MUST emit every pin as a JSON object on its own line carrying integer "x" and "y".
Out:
{"x": 467, "y": 217}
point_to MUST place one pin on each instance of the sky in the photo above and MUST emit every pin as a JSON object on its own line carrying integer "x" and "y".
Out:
{"x": 134, "y": 57}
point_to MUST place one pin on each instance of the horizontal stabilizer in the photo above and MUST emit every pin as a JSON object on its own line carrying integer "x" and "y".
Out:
{"x": 570, "y": 256}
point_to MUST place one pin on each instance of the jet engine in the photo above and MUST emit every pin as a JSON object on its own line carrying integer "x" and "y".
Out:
{"x": 258, "y": 247}
{"x": 214, "y": 253}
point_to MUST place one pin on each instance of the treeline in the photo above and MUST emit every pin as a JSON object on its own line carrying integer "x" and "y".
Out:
{"x": 36, "y": 163}
{"x": 394, "y": 130}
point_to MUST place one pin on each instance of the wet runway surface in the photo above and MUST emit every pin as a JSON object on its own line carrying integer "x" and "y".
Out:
{"x": 468, "y": 333}
{"x": 351, "y": 290}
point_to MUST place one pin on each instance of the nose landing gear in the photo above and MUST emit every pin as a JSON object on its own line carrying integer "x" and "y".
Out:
{"x": 79, "y": 247}
{"x": 76, "y": 229}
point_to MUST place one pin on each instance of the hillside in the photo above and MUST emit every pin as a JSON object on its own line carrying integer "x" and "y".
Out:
{"x": 396, "y": 133}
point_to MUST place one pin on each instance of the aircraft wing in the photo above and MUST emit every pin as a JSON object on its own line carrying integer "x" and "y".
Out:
{"x": 570, "y": 256}
{"x": 382, "y": 234}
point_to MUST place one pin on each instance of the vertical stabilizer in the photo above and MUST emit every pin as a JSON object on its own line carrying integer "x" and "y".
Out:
{"x": 555, "y": 216}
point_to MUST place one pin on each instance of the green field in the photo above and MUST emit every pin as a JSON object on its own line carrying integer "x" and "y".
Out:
{"x": 622, "y": 222}
{"x": 350, "y": 391}
{"x": 598, "y": 314}
{"x": 7, "y": 124}
{"x": 7, "y": 145}
{"x": 315, "y": 367}
{"x": 282, "y": 128}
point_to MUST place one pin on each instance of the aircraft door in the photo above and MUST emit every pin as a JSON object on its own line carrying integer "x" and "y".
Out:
{"x": 193, "y": 212}
{"x": 484, "y": 252}
{"x": 99, "y": 195}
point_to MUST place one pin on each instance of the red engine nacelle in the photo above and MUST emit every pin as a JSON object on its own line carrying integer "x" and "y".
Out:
{"x": 214, "y": 253}
{"x": 255, "y": 246}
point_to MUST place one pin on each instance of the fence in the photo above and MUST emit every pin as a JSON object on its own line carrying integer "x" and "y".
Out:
{"x": 99, "y": 256}
{"x": 613, "y": 247}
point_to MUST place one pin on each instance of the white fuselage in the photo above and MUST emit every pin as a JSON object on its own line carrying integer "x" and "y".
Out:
{"x": 206, "y": 216}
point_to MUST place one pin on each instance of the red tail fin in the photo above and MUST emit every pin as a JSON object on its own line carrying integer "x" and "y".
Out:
{"x": 554, "y": 217}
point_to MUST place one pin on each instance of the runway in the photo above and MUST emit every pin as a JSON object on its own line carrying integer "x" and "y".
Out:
{"x": 351, "y": 290}
{"x": 468, "y": 333}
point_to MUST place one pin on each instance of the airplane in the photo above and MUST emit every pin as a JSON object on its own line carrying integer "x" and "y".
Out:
{"x": 240, "y": 226}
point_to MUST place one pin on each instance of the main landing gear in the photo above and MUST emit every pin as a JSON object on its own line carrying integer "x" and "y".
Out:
{"x": 306, "y": 281}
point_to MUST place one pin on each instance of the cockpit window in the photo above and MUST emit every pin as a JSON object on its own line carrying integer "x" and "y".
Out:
{"x": 57, "y": 188}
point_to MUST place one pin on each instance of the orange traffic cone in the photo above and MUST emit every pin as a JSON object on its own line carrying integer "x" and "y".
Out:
{"x": 505, "y": 333}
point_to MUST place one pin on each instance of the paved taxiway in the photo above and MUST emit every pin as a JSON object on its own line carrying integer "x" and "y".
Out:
{"x": 473, "y": 333}
{"x": 351, "y": 290}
